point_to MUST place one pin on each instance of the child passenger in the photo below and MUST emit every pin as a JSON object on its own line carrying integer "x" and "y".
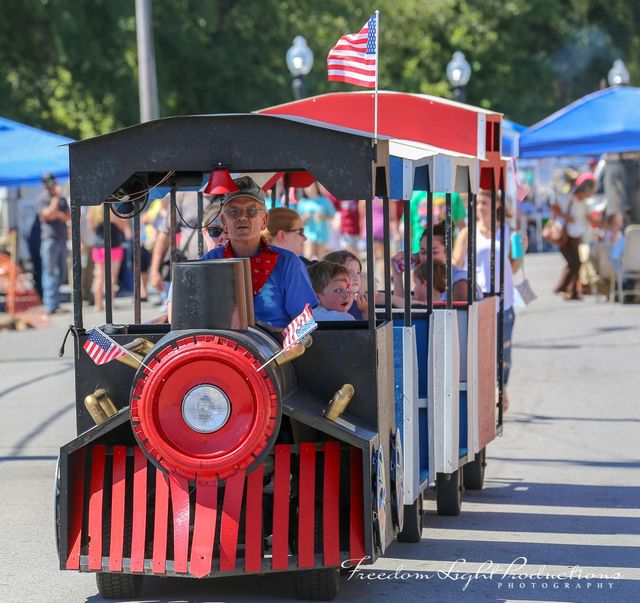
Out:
{"x": 332, "y": 285}
{"x": 359, "y": 307}
{"x": 420, "y": 284}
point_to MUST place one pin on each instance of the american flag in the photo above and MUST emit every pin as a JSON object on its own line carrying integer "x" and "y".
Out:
{"x": 299, "y": 328}
{"x": 101, "y": 348}
{"x": 354, "y": 59}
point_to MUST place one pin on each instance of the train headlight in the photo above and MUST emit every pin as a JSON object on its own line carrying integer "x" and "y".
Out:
{"x": 206, "y": 408}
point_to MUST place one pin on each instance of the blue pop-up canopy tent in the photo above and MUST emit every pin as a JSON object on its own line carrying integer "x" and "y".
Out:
{"x": 26, "y": 153}
{"x": 511, "y": 132}
{"x": 607, "y": 121}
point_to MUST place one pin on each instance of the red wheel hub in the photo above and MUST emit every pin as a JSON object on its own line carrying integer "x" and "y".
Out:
{"x": 157, "y": 400}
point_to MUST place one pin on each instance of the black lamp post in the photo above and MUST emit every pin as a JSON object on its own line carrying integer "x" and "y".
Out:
{"x": 299, "y": 62}
{"x": 458, "y": 74}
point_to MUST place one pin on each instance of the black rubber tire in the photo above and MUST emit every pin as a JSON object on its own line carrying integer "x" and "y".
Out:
{"x": 317, "y": 585}
{"x": 473, "y": 475}
{"x": 449, "y": 493}
{"x": 119, "y": 586}
{"x": 413, "y": 522}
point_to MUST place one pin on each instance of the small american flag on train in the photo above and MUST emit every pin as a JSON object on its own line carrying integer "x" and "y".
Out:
{"x": 101, "y": 348}
{"x": 354, "y": 59}
{"x": 299, "y": 328}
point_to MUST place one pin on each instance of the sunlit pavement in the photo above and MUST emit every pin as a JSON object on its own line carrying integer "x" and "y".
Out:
{"x": 557, "y": 520}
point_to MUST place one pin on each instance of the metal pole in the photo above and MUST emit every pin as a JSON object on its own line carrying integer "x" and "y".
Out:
{"x": 448, "y": 246}
{"x": 199, "y": 225}
{"x": 137, "y": 310}
{"x": 147, "y": 82}
{"x": 371, "y": 286}
{"x": 76, "y": 265}
{"x": 387, "y": 257}
{"x": 407, "y": 262}
{"x": 492, "y": 267}
{"x": 503, "y": 252}
{"x": 108, "y": 292}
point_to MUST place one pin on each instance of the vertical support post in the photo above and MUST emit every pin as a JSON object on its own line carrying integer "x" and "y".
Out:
{"x": 108, "y": 292}
{"x": 76, "y": 265}
{"x": 172, "y": 225}
{"x": 387, "y": 256}
{"x": 492, "y": 266}
{"x": 406, "y": 217}
{"x": 503, "y": 253}
{"x": 371, "y": 283}
{"x": 286, "y": 180}
{"x": 137, "y": 311}
{"x": 448, "y": 239}
{"x": 471, "y": 244}
{"x": 429, "y": 248}
{"x": 199, "y": 225}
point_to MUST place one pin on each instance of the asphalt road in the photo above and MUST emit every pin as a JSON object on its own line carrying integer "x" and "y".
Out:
{"x": 560, "y": 502}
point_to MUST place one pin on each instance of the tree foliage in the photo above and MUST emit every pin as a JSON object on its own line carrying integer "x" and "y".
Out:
{"x": 70, "y": 66}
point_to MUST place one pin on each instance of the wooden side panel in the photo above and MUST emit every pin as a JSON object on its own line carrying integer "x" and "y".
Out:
{"x": 356, "y": 525}
{"x": 487, "y": 341}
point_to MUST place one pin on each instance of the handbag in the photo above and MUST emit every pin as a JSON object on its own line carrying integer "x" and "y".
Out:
{"x": 524, "y": 289}
{"x": 554, "y": 232}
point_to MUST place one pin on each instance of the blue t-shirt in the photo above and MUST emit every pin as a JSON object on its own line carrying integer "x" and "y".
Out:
{"x": 317, "y": 226}
{"x": 321, "y": 313}
{"x": 286, "y": 292}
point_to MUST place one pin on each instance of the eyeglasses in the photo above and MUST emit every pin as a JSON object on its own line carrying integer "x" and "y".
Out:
{"x": 215, "y": 231}
{"x": 237, "y": 212}
{"x": 300, "y": 231}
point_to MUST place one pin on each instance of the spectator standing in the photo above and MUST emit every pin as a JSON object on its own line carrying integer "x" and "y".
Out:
{"x": 575, "y": 215}
{"x": 54, "y": 214}
{"x": 317, "y": 212}
{"x": 119, "y": 231}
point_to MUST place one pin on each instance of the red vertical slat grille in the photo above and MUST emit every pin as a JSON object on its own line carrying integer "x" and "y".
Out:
{"x": 281, "y": 493}
{"x": 76, "y": 492}
{"x": 204, "y": 527}
{"x": 118, "y": 489}
{"x": 230, "y": 525}
{"x": 331, "y": 504}
{"x": 306, "y": 506}
{"x": 356, "y": 524}
{"x": 139, "y": 510}
{"x": 253, "y": 521}
{"x": 160, "y": 523}
{"x": 119, "y": 497}
{"x": 96, "y": 494}
{"x": 180, "y": 506}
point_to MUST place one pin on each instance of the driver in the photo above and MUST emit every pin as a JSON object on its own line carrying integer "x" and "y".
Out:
{"x": 281, "y": 285}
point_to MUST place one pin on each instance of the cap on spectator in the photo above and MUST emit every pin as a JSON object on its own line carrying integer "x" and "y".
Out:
{"x": 584, "y": 177}
{"x": 247, "y": 187}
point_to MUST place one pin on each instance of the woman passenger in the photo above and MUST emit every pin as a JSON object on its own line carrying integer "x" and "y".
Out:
{"x": 286, "y": 231}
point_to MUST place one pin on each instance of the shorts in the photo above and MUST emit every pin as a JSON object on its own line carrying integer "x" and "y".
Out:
{"x": 98, "y": 255}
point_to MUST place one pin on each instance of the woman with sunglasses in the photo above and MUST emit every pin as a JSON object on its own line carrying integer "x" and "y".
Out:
{"x": 285, "y": 230}
{"x": 212, "y": 229}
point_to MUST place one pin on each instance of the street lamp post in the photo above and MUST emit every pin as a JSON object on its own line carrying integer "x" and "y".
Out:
{"x": 618, "y": 74}
{"x": 299, "y": 62}
{"x": 458, "y": 74}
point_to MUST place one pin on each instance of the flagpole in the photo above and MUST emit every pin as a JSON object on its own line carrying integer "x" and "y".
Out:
{"x": 375, "y": 94}
{"x": 127, "y": 352}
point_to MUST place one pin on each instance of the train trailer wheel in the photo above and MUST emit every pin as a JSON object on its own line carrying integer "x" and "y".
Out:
{"x": 413, "y": 522}
{"x": 449, "y": 493}
{"x": 119, "y": 586}
{"x": 473, "y": 476}
{"x": 317, "y": 585}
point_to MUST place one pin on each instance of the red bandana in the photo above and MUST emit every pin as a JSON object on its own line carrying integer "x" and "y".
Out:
{"x": 262, "y": 264}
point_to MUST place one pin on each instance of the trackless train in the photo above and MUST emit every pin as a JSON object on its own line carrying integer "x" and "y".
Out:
{"x": 189, "y": 460}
